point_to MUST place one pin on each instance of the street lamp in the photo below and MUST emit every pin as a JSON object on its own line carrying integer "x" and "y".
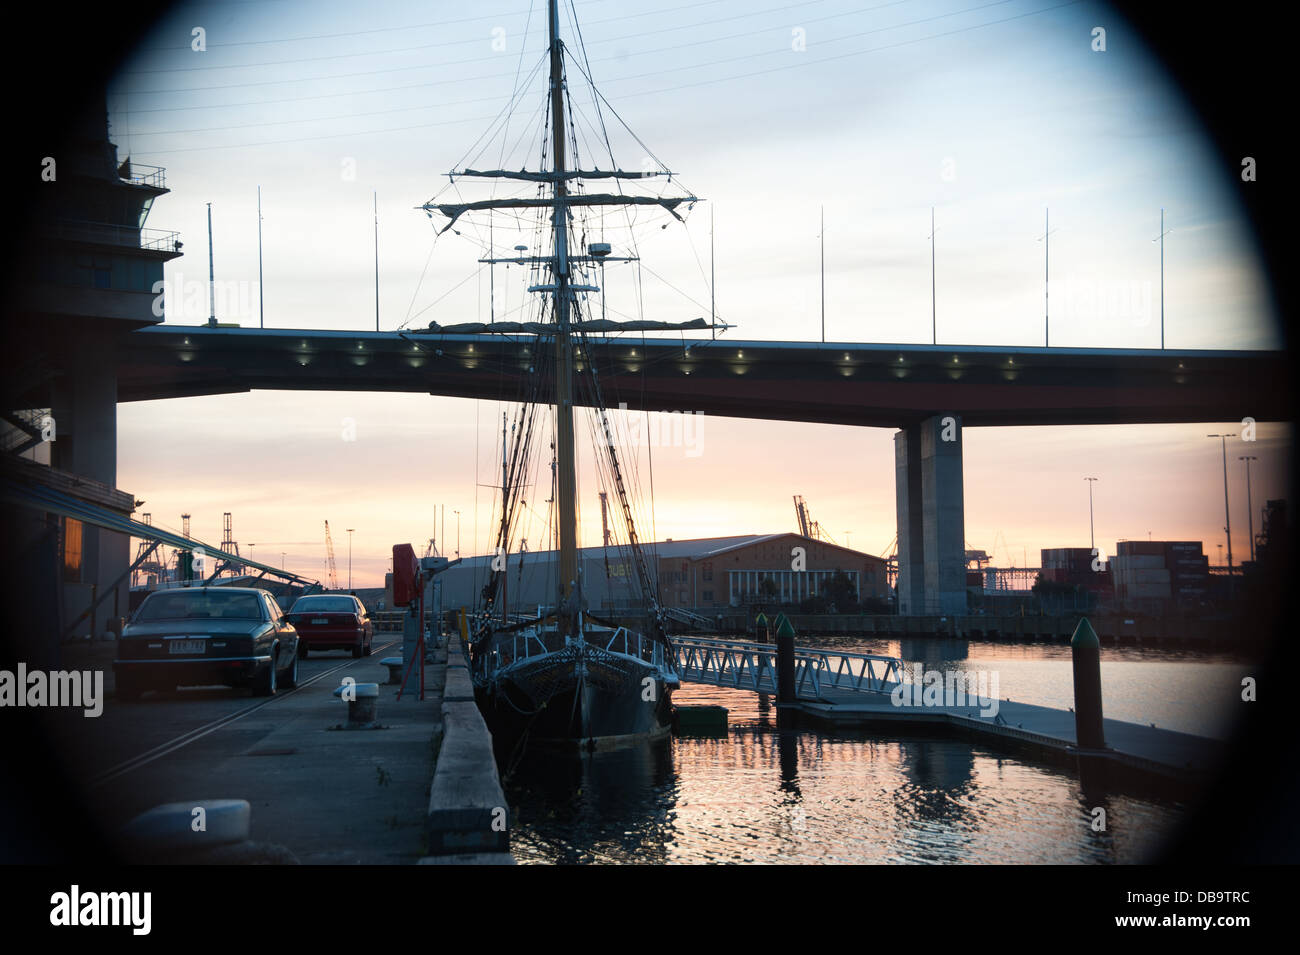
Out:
{"x": 282, "y": 560}
{"x": 457, "y": 513}
{"x": 1092, "y": 536}
{"x": 1250, "y": 507}
{"x": 1161, "y": 239}
{"x": 1227, "y": 514}
{"x": 350, "y": 530}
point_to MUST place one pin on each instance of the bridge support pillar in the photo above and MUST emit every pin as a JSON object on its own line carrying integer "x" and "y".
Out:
{"x": 931, "y": 517}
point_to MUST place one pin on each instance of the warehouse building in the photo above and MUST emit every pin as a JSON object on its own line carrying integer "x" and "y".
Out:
{"x": 705, "y": 575}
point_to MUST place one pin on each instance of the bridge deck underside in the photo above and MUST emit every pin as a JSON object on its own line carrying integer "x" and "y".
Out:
{"x": 869, "y": 385}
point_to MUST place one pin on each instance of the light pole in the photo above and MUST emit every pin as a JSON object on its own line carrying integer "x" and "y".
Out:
{"x": 282, "y": 560}
{"x": 934, "y": 312}
{"x": 1227, "y": 513}
{"x": 1092, "y": 536}
{"x": 1250, "y": 507}
{"x": 457, "y": 513}
{"x": 1046, "y": 239}
{"x": 350, "y": 530}
{"x": 1161, "y": 239}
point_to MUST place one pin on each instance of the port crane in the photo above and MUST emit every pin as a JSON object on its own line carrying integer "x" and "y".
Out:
{"x": 329, "y": 553}
{"x": 807, "y": 526}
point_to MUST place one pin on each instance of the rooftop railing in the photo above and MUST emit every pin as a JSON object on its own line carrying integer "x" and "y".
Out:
{"x": 142, "y": 175}
{"x": 108, "y": 233}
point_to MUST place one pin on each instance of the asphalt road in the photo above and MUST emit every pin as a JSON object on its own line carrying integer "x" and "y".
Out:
{"x": 329, "y": 795}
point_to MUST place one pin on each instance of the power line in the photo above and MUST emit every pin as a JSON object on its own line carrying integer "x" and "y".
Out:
{"x": 620, "y": 57}
{"x": 722, "y": 79}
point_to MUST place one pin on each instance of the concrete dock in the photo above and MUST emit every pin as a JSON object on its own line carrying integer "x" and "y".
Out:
{"x": 419, "y": 787}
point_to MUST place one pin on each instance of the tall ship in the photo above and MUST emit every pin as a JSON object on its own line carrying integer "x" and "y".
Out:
{"x": 565, "y": 672}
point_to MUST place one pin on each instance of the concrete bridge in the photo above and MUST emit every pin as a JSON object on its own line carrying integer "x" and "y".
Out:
{"x": 930, "y": 393}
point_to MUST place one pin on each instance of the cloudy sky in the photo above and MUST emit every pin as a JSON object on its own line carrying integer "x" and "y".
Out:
{"x": 988, "y": 112}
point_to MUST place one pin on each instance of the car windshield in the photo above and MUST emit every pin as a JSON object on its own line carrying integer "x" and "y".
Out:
{"x": 206, "y": 604}
{"x": 324, "y": 605}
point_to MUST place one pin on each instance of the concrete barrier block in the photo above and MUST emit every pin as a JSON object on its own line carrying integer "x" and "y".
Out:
{"x": 175, "y": 825}
{"x": 459, "y": 688}
{"x": 467, "y": 808}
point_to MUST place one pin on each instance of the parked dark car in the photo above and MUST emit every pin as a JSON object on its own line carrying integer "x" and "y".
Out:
{"x": 198, "y": 636}
{"x": 332, "y": 622}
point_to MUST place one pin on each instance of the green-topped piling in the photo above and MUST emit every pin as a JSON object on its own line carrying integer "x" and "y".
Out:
{"x": 785, "y": 697}
{"x": 1085, "y": 648}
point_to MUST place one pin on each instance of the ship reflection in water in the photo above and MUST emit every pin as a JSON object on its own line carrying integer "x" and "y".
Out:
{"x": 767, "y": 797}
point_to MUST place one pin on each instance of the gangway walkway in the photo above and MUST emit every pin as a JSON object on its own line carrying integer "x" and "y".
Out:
{"x": 752, "y": 666}
{"x": 855, "y": 691}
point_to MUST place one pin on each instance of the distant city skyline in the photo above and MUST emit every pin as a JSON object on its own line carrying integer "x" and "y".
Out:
{"x": 988, "y": 113}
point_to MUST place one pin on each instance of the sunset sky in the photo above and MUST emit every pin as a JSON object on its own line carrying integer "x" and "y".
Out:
{"x": 990, "y": 112}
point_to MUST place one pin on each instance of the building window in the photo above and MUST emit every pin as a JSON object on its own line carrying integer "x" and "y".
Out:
{"x": 707, "y": 596}
{"x": 708, "y": 571}
{"x": 72, "y": 550}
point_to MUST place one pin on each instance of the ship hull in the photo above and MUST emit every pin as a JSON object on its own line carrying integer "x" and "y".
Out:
{"x": 593, "y": 702}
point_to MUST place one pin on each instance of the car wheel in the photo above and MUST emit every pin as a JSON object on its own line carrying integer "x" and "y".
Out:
{"x": 265, "y": 683}
{"x": 366, "y": 650}
{"x": 290, "y": 679}
{"x": 128, "y": 688}
{"x": 302, "y": 649}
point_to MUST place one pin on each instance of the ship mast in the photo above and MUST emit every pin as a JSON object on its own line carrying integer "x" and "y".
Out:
{"x": 564, "y": 450}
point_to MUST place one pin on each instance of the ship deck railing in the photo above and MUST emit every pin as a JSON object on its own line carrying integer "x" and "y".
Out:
{"x": 532, "y": 642}
{"x": 752, "y": 666}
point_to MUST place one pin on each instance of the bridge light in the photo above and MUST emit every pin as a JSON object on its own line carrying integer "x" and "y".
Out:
{"x": 846, "y": 356}
{"x": 740, "y": 354}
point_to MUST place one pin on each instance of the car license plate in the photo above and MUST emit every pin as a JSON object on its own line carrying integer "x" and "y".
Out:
{"x": 320, "y": 620}
{"x": 185, "y": 646}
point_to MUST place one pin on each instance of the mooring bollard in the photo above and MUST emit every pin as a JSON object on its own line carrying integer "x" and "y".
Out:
{"x": 395, "y": 668}
{"x": 363, "y": 702}
{"x": 1085, "y": 648}
{"x": 760, "y": 628}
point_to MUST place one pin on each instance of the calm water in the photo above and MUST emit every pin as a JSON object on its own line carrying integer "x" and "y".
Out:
{"x": 761, "y": 796}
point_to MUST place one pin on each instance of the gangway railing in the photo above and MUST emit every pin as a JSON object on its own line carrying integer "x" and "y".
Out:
{"x": 752, "y": 666}
{"x": 689, "y": 618}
